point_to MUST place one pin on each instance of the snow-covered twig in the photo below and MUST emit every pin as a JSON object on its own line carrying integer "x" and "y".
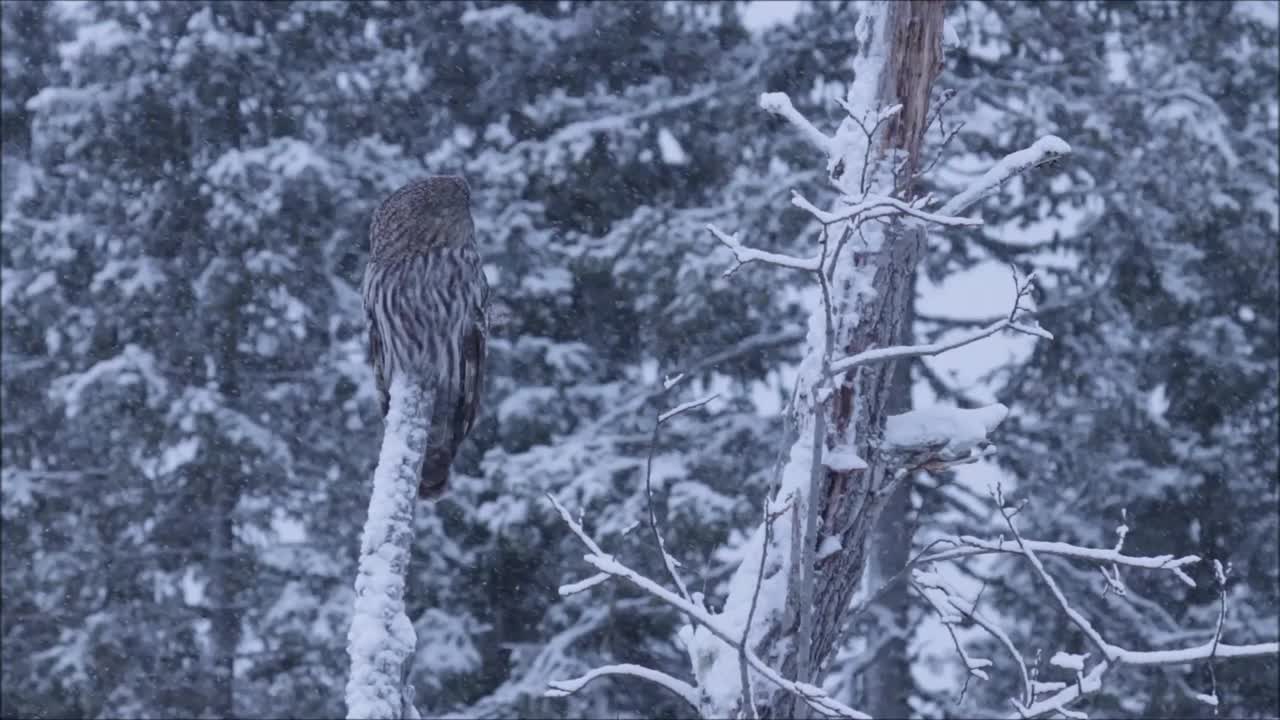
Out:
{"x": 947, "y": 602}
{"x": 886, "y": 207}
{"x": 779, "y": 103}
{"x": 930, "y": 586}
{"x": 1072, "y": 614}
{"x": 870, "y": 135}
{"x": 1112, "y": 655}
{"x": 667, "y": 561}
{"x": 743, "y": 255}
{"x": 1197, "y": 653}
{"x": 968, "y": 546}
{"x": 1045, "y": 150}
{"x": 906, "y": 351}
{"x": 686, "y": 692}
{"x": 1001, "y": 636}
{"x": 685, "y": 407}
{"x": 381, "y": 639}
{"x": 748, "y": 700}
{"x": 1021, "y": 290}
{"x": 582, "y": 585}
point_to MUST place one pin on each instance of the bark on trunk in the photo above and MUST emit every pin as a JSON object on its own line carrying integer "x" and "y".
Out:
{"x": 887, "y": 682}
{"x": 850, "y": 503}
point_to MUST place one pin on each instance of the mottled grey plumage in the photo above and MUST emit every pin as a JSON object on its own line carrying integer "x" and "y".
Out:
{"x": 424, "y": 299}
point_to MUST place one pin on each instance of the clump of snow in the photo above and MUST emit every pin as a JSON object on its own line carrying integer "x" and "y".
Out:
{"x": 830, "y": 546}
{"x": 955, "y": 430}
{"x": 1211, "y": 700}
{"x": 843, "y": 460}
{"x": 669, "y": 147}
{"x": 950, "y": 38}
{"x": 1068, "y": 661}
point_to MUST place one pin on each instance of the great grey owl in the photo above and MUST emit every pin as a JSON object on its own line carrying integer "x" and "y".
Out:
{"x": 425, "y": 299}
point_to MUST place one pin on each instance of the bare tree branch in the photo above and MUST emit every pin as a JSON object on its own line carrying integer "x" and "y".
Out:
{"x": 811, "y": 695}
{"x": 744, "y": 255}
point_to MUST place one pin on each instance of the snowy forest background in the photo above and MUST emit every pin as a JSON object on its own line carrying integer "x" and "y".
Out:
{"x": 189, "y": 425}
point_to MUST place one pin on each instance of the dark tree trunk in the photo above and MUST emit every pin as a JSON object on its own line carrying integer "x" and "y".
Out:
{"x": 848, "y": 502}
{"x": 887, "y": 681}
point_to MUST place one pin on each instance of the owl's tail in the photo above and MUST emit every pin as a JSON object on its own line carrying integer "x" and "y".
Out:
{"x": 434, "y": 478}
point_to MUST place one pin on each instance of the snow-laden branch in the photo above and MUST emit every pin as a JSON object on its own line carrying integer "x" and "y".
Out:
{"x": 685, "y": 407}
{"x": 875, "y": 207}
{"x": 1045, "y": 150}
{"x": 905, "y": 351}
{"x": 945, "y": 600}
{"x": 686, "y": 692}
{"x": 813, "y": 696}
{"x": 743, "y": 255}
{"x": 1181, "y": 656}
{"x": 1021, "y": 289}
{"x": 668, "y": 561}
{"x": 968, "y": 546}
{"x": 779, "y": 103}
{"x": 381, "y": 639}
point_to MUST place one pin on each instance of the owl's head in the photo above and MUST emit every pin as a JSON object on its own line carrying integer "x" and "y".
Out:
{"x": 434, "y": 211}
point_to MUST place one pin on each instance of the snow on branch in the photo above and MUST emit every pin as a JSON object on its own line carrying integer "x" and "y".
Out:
{"x": 691, "y": 405}
{"x": 905, "y": 351}
{"x": 944, "y": 598}
{"x": 886, "y": 207}
{"x": 779, "y": 103}
{"x": 744, "y": 255}
{"x": 969, "y": 546}
{"x": 1206, "y": 651}
{"x": 1043, "y": 151}
{"x": 686, "y": 692}
{"x": 381, "y": 639}
{"x": 811, "y": 695}
{"x": 669, "y": 562}
{"x": 1021, "y": 290}
{"x": 945, "y": 434}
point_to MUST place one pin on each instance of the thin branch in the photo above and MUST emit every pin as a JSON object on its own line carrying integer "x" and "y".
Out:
{"x": 886, "y": 207}
{"x": 1000, "y": 635}
{"x": 813, "y": 696}
{"x": 1108, "y": 651}
{"x": 691, "y": 405}
{"x": 1084, "y": 685}
{"x": 685, "y": 691}
{"x": 970, "y": 546}
{"x": 744, "y": 255}
{"x": 582, "y": 585}
{"x": 779, "y": 103}
{"x": 1045, "y": 150}
{"x": 748, "y": 700}
{"x": 1211, "y": 649}
{"x": 667, "y": 560}
{"x": 932, "y": 588}
{"x": 881, "y": 118}
{"x": 905, "y": 351}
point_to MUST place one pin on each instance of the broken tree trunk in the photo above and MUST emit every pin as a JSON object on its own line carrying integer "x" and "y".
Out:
{"x": 907, "y": 36}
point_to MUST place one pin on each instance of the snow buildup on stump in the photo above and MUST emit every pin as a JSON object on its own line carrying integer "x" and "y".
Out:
{"x": 382, "y": 638}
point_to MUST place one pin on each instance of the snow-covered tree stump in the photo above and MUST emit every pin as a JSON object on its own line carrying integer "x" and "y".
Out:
{"x": 381, "y": 640}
